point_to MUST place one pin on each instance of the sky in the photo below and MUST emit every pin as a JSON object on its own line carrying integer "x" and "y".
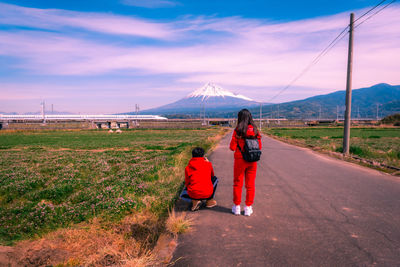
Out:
{"x": 105, "y": 56}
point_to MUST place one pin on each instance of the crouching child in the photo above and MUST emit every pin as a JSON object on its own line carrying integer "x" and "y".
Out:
{"x": 200, "y": 182}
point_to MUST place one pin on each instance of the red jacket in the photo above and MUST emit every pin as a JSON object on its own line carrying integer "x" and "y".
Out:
{"x": 235, "y": 139}
{"x": 198, "y": 175}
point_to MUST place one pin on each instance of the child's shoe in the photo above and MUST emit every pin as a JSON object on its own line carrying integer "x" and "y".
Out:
{"x": 196, "y": 205}
{"x": 236, "y": 209}
{"x": 211, "y": 203}
{"x": 248, "y": 210}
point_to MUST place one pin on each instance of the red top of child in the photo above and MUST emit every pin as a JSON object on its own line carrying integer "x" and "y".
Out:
{"x": 235, "y": 139}
{"x": 198, "y": 175}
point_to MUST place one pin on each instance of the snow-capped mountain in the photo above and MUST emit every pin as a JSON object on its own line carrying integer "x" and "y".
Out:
{"x": 210, "y": 97}
{"x": 211, "y": 90}
{"x": 221, "y": 103}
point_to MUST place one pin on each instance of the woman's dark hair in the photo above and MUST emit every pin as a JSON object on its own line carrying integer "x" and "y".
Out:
{"x": 244, "y": 120}
{"x": 197, "y": 152}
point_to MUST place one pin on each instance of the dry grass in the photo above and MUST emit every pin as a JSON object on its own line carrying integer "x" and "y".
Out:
{"x": 93, "y": 244}
{"x": 178, "y": 224}
{"x": 147, "y": 259}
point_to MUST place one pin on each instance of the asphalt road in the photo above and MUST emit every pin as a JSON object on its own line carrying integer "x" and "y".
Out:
{"x": 309, "y": 210}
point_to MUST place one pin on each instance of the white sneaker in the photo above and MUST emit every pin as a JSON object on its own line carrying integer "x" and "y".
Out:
{"x": 248, "y": 210}
{"x": 236, "y": 209}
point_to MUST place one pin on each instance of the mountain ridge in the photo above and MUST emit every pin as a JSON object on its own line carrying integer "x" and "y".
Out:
{"x": 332, "y": 105}
{"x": 209, "y": 97}
{"x": 376, "y": 101}
{"x": 329, "y": 106}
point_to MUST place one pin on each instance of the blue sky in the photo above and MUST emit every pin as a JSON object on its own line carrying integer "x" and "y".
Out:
{"x": 106, "y": 56}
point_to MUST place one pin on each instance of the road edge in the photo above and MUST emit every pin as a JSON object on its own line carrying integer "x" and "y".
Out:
{"x": 334, "y": 155}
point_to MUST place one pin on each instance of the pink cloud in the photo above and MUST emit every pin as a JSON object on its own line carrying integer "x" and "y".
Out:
{"x": 150, "y": 3}
{"x": 249, "y": 54}
{"x": 98, "y": 22}
{"x": 98, "y": 97}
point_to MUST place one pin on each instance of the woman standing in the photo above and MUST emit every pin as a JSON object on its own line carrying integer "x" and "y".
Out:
{"x": 246, "y": 128}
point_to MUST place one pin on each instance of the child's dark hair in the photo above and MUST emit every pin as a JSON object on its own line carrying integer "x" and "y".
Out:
{"x": 244, "y": 120}
{"x": 197, "y": 152}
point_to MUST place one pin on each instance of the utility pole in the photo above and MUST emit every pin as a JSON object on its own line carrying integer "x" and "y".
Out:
{"x": 279, "y": 122}
{"x": 204, "y": 113}
{"x": 278, "y": 112}
{"x": 347, "y": 119}
{"x": 337, "y": 113}
{"x": 43, "y": 111}
{"x": 377, "y": 111}
{"x": 201, "y": 111}
{"x": 137, "y": 112}
{"x": 271, "y": 112}
{"x": 319, "y": 115}
{"x": 260, "y": 115}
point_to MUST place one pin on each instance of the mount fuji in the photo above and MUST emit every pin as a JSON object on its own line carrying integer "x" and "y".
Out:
{"x": 211, "y": 98}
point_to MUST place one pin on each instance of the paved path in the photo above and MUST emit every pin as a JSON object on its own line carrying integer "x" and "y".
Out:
{"x": 309, "y": 210}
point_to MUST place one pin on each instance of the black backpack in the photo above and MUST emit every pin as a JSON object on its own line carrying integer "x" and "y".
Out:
{"x": 251, "y": 151}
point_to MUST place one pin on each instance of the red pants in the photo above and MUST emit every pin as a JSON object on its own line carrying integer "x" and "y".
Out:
{"x": 243, "y": 169}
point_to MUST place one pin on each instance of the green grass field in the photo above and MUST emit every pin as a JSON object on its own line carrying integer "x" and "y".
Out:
{"x": 378, "y": 144}
{"x": 52, "y": 179}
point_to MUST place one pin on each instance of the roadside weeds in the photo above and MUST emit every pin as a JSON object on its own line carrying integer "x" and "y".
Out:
{"x": 350, "y": 158}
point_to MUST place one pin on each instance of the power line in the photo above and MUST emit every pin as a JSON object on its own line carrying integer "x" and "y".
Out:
{"x": 338, "y": 40}
{"x": 375, "y": 13}
{"x": 315, "y": 61}
{"x": 333, "y": 43}
{"x": 380, "y": 3}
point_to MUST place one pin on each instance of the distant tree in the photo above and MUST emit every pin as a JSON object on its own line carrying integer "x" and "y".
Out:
{"x": 392, "y": 119}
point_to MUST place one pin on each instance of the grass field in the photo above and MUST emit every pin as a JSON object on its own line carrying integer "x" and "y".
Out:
{"x": 378, "y": 144}
{"x": 53, "y": 179}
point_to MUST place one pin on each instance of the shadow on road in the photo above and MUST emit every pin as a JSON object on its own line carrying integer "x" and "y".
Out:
{"x": 184, "y": 206}
{"x": 221, "y": 209}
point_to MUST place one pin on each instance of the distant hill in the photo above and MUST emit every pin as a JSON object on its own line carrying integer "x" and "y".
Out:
{"x": 48, "y": 112}
{"x": 8, "y": 113}
{"x": 218, "y": 102}
{"x": 382, "y": 97}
